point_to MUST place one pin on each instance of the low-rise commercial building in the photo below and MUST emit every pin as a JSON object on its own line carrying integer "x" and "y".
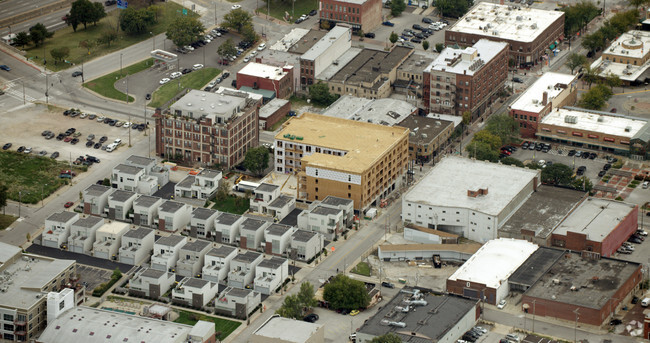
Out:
{"x": 457, "y": 253}
{"x": 286, "y": 330}
{"x": 173, "y": 216}
{"x": 410, "y": 76}
{"x": 108, "y": 239}
{"x": 550, "y": 91}
{"x": 202, "y": 222}
{"x": 386, "y": 111}
{"x": 194, "y": 292}
{"x": 481, "y": 198}
{"x": 305, "y": 245}
{"x": 120, "y": 204}
{"x": 209, "y": 128}
{"x": 145, "y": 210}
{"x": 242, "y": 269}
{"x": 137, "y": 245}
{"x": 152, "y": 283}
{"x": 466, "y": 79}
{"x": 165, "y": 252}
{"x": 270, "y": 273}
{"x": 226, "y": 228}
{"x": 191, "y": 257}
{"x": 273, "y": 112}
{"x": 428, "y": 137}
{"x": 626, "y": 58}
{"x": 362, "y": 162}
{"x": 82, "y": 234}
{"x": 360, "y": 15}
{"x": 95, "y": 199}
{"x": 278, "y": 80}
{"x": 217, "y": 263}
{"x": 57, "y": 228}
{"x": 237, "y": 302}
{"x": 200, "y": 186}
{"x": 320, "y": 55}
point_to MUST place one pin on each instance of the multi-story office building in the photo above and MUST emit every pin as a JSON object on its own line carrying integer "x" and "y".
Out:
{"x": 358, "y": 14}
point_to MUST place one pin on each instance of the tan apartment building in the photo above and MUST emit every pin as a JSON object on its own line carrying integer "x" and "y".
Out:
{"x": 358, "y": 14}
{"x": 342, "y": 158}
{"x": 370, "y": 74}
{"x": 209, "y": 128}
{"x": 23, "y": 292}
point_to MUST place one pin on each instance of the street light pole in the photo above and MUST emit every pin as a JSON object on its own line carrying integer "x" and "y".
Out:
{"x": 19, "y": 201}
{"x": 575, "y": 328}
{"x": 534, "y": 315}
{"x": 120, "y": 64}
{"x": 153, "y": 38}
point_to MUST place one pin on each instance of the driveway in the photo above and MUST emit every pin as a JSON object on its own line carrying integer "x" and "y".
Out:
{"x": 80, "y": 258}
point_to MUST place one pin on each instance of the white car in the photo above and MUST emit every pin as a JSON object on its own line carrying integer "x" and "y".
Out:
{"x": 101, "y": 118}
{"x": 234, "y": 7}
{"x": 253, "y": 53}
{"x": 190, "y": 48}
{"x": 197, "y": 66}
{"x": 212, "y": 84}
{"x": 642, "y": 232}
{"x": 502, "y": 304}
{"x": 542, "y": 163}
{"x": 126, "y": 125}
{"x": 176, "y": 75}
{"x": 261, "y": 47}
{"x": 28, "y": 150}
{"x": 164, "y": 80}
{"x": 247, "y": 59}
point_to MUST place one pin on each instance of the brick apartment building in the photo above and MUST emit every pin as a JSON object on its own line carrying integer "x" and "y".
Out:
{"x": 531, "y": 33}
{"x": 209, "y": 128}
{"x": 551, "y": 90}
{"x": 359, "y": 14}
{"x": 330, "y": 47}
{"x": 466, "y": 79}
{"x": 343, "y": 158}
{"x": 268, "y": 77}
{"x": 428, "y": 137}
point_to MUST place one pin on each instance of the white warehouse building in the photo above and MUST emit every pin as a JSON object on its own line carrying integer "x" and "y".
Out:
{"x": 469, "y": 198}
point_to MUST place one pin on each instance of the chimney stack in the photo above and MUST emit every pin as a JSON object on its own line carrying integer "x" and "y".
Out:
{"x": 544, "y": 98}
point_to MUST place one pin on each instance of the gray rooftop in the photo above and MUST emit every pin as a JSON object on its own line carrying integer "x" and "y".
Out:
{"x": 88, "y": 221}
{"x": 194, "y": 282}
{"x": 138, "y": 233}
{"x": 63, "y": 216}
{"x": 171, "y": 241}
{"x": 425, "y": 129}
{"x": 305, "y": 43}
{"x": 212, "y": 105}
{"x": 369, "y": 64}
{"x": 271, "y": 107}
{"x": 153, "y": 273}
{"x": 336, "y": 201}
{"x": 121, "y": 195}
{"x": 146, "y": 201}
{"x": 273, "y": 263}
{"x": 266, "y": 187}
{"x": 187, "y": 182}
{"x": 247, "y": 256}
{"x": 97, "y": 190}
{"x": 209, "y": 173}
{"x": 128, "y": 169}
{"x": 227, "y": 218}
{"x": 287, "y": 330}
{"x": 221, "y": 251}
{"x": 196, "y": 246}
{"x": 596, "y": 281}
{"x": 416, "y": 62}
{"x": 325, "y": 211}
{"x": 277, "y": 229}
{"x": 535, "y": 266}
{"x": 251, "y": 224}
{"x": 171, "y": 206}
{"x": 140, "y": 160}
{"x": 325, "y": 43}
{"x": 203, "y": 213}
{"x": 7, "y": 252}
{"x": 303, "y": 235}
{"x": 433, "y": 321}
{"x": 385, "y": 111}
{"x": 595, "y": 218}
{"x": 542, "y": 211}
{"x": 239, "y": 292}
{"x": 281, "y": 201}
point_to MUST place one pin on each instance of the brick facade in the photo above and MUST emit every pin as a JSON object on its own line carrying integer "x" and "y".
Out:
{"x": 364, "y": 16}
{"x": 472, "y": 290}
{"x": 282, "y": 85}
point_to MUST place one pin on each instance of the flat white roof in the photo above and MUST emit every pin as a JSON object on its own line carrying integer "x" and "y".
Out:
{"x": 495, "y": 261}
{"x": 626, "y": 72}
{"x": 605, "y": 124}
{"x": 263, "y": 70}
{"x": 287, "y": 330}
{"x": 447, "y": 183}
{"x": 595, "y": 218}
{"x": 633, "y": 44}
{"x": 113, "y": 228}
{"x": 467, "y": 60}
{"x": 289, "y": 39}
{"x": 512, "y": 22}
{"x": 324, "y": 43}
{"x": 271, "y": 107}
{"x": 448, "y": 117}
{"x": 385, "y": 111}
{"x": 531, "y": 99}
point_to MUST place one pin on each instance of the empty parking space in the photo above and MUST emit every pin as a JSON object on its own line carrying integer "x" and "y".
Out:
{"x": 92, "y": 277}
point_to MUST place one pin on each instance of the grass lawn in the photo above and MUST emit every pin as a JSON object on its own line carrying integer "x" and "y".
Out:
{"x": 6, "y": 220}
{"x": 279, "y": 123}
{"x": 194, "y": 80}
{"x": 297, "y": 102}
{"x": 230, "y": 205}
{"x": 362, "y": 269}
{"x": 223, "y": 327}
{"x": 68, "y": 38}
{"x": 279, "y": 7}
{"x": 105, "y": 85}
{"x": 31, "y": 175}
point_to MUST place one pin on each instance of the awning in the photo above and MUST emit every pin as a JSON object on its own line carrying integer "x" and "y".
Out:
{"x": 552, "y": 46}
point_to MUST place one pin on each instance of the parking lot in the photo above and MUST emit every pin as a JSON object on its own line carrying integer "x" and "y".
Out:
{"x": 92, "y": 276}
{"x": 27, "y": 132}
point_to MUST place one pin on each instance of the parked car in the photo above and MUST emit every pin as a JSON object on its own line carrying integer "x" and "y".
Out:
{"x": 370, "y": 35}
{"x": 197, "y": 66}
{"x": 427, "y": 20}
{"x": 6, "y": 146}
{"x": 164, "y": 80}
{"x": 5, "y": 67}
{"x": 261, "y": 47}
{"x": 68, "y": 204}
{"x": 501, "y": 304}
{"x": 517, "y": 80}
{"x": 312, "y": 318}
{"x": 54, "y": 155}
{"x": 387, "y": 284}
{"x": 234, "y": 7}
{"x": 186, "y": 71}
{"x": 28, "y": 150}
{"x": 354, "y": 312}
{"x": 388, "y": 23}
{"x": 77, "y": 73}
{"x": 175, "y": 75}
{"x": 313, "y": 13}
{"x": 147, "y": 97}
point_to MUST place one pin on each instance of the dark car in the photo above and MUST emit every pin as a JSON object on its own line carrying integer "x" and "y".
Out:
{"x": 22, "y": 148}
{"x": 313, "y": 13}
{"x": 107, "y": 120}
{"x": 110, "y": 2}
{"x": 77, "y": 73}
{"x": 571, "y": 153}
{"x": 225, "y": 75}
{"x": 388, "y": 23}
{"x": 147, "y": 97}
{"x": 54, "y": 155}
{"x": 186, "y": 71}
{"x": 518, "y": 80}
{"x": 74, "y": 141}
{"x": 312, "y": 318}
{"x": 416, "y": 40}
{"x": 607, "y": 166}
{"x": 89, "y": 144}
{"x": 5, "y": 67}
{"x": 387, "y": 284}
{"x": 635, "y": 240}
{"x": 299, "y": 20}
{"x": 97, "y": 145}
{"x": 370, "y": 35}
{"x": 419, "y": 35}
{"x": 602, "y": 173}
{"x": 92, "y": 159}
{"x": 586, "y": 155}
{"x": 635, "y": 299}
{"x": 417, "y": 27}
{"x": 103, "y": 139}
{"x": 6, "y": 146}
{"x": 427, "y": 20}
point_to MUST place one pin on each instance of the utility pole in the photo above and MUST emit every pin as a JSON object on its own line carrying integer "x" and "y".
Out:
{"x": 575, "y": 328}
{"x": 24, "y": 99}
{"x": 120, "y": 64}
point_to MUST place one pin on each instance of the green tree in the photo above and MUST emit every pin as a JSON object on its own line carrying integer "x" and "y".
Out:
{"x": 185, "y": 30}
{"x": 583, "y": 184}
{"x": 136, "y": 21}
{"x": 85, "y": 12}
{"x": 397, "y": 7}
{"x": 60, "y": 54}
{"x": 425, "y": 45}
{"x": 590, "y": 75}
{"x": 387, "y": 338}
{"x": 291, "y": 307}
{"x": 306, "y": 295}
{"x": 594, "y": 41}
{"x": 249, "y": 34}
{"x": 237, "y": 19}
{"x": 482, "y": 151}
{"x": 511, "y": 161}
{"x": 637, "y": 3}
{"x": 22, "y": 39}
{"x": 116, "y": 273}
{"x": 345, "y": 293}
{"x": 393, "y": 37}
{"x": 97, "y": 13}
{"x": 223, "y": 192}
{"x": 106, "y": 182}
{"x": 453, "y": 8}
{"x": 440, "y": 47}
{"x": 3, "y": 197}
{"x": 38, "y": 33}
{"x": 257, "y": 159}
{"x": 320, "y": 94}
{"x": 488, "y": 138}
{"x": 612, "y": 80}
{"x": 504, "y": 126}
{"x": 227, "y": 48}
{"x": 88, "y": 45}
{"x": 557, "y": 174}
{"x": 596, "y": 97}
{"x": 576, "y": 60}
{"x": 578, "y": 15}
{"x": 107, "y": 37}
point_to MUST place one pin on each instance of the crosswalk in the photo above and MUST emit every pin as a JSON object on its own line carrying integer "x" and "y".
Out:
{"x": 15, "y": 91}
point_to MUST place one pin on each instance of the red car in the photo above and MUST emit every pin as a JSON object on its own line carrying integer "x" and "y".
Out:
{"x": 67, "y": 139}
{"x": 68, "y": 204}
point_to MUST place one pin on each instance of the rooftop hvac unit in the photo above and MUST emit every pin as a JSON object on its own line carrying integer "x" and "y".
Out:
{"x": 571, "y": 119}
{"x": 628, "y": 128}
{"x": 534, "y": 26}
{"x": 535, "y": 101}
{"x": 398, "y": 324}
{"x": 601, "y": 119}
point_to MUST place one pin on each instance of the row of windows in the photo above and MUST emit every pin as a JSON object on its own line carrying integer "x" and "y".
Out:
{"x": 343, "y": 9}
{"x": 526, "y": 117}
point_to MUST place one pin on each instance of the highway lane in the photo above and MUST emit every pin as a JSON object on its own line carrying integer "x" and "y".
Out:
{"x": 10, "y": 8}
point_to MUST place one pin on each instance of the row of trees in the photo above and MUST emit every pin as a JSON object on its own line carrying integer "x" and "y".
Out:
{"x": 612, "y": 28}
{"x": 577, "y": 16}
{"x": 296, "y": 305}
{"x": 37, "y": 35}
{"x": 500, "y": 129}
{"x": 242, "y": 22}
{"x": 85, "y": 12}
{"x": 453, "y": 8}
{"x": 562, "y": 175}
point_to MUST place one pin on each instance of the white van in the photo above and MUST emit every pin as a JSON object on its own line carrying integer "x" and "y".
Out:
{"x": 117, "y": 141}
{"x": 512, "y": 337}
{"x": 111, "y": 147}
{"x": 645, "y": 302}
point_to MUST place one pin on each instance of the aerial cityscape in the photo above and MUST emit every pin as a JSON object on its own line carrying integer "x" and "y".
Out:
{"x": 325, "y": 171}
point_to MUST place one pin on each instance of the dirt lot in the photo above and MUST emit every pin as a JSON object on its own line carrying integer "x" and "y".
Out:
{"x": 25, "y": 129}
